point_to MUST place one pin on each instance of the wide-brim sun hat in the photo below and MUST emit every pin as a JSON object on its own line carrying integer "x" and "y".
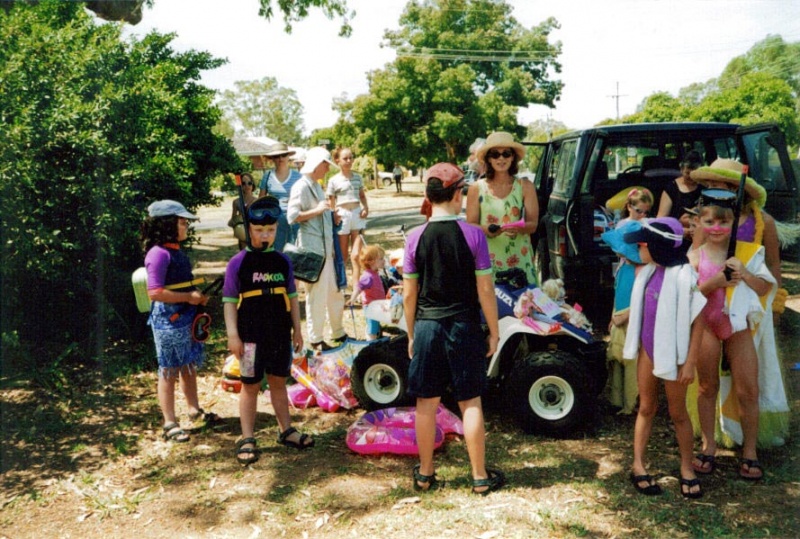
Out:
{"x": 315, "y": 157}
{"x": 614, "y": 238}
{"x": 447, "y": 173}
{"x": 168, "y": 208}
{"x": 279, "y": 148}
{"x": 664, "y": 239}
{"x": 730, "y": 172}
{"x": 501, "y": 139}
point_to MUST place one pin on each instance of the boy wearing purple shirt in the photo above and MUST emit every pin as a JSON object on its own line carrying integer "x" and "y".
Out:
{"x": 447, "y": 280}
{"x": 262, "y": 319}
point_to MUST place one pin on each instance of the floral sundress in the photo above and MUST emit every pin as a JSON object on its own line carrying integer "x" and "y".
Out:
{"x": 507, "y": 252}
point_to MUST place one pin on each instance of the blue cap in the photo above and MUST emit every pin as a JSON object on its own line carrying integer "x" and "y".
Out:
{"x": 166, "y": 208}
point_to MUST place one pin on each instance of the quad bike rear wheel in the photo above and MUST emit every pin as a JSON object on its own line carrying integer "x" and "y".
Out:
{"x": 379, "y": 375}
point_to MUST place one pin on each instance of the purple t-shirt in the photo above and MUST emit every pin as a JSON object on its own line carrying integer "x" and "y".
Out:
{"x": 371, "y": 286}
{"x": 445, "y": 255}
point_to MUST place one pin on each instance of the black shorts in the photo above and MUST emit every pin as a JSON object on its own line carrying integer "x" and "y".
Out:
{"x": 448, "y": 353}
{"x": 273, "y": 358}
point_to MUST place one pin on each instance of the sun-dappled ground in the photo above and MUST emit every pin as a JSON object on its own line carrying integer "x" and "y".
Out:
{"x": 84, "y": 459}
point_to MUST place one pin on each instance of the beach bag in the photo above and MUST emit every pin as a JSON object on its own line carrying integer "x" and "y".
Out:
{"x": 307, "y": 265}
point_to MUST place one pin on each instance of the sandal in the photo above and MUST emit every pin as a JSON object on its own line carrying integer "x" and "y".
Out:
{"x": 301, "y": 444}
{"x": 430, "y": 480}
{"x": 706, "y": 466}
{"x": 252, "y": 452}
{"x": 209, "y": 418}
{"x": 746, "y": 466}
{"x": 652, "y": 488}
{"x": 689, "y": 483}
{"x": 494, "y": 482}
{"x": 174, "y": 433}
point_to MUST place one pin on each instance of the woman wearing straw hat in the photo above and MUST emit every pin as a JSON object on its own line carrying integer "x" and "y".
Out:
{"x": 278, "y": 182}
{"x": 505, "y": 207}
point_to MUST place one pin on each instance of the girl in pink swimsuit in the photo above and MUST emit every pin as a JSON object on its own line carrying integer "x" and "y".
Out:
{"x": 713, "y": 331}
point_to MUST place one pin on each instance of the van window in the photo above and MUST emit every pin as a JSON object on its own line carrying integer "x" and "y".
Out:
{"x": 563, "y": 165}
{"x": 764, "y": 160}
{"x": 726, "y": 148}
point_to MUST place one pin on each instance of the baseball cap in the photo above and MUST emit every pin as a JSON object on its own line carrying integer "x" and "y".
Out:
{"x": 166, "y": 208}
{"x": 447, "y": 173}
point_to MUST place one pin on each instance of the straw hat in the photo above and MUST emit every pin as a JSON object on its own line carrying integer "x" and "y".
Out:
{"x": 730, "y": 172}
{"x": 279, "y": 148}
{"x": 501, "y": 139}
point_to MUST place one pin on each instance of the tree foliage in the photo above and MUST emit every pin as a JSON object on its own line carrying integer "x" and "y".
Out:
{"x": 263, "y": 108}
{"x": 763, "y": 85}
{"x": 297, "y": 10}
{"x": 463, "y": 69}
{"x": 92, "y": 130}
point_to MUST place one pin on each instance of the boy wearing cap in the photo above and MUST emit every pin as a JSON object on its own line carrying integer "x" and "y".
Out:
{"x": 262, "y": 319}
{"x": 447, "y": 280}
{"x": 172, "y": 290}
{"x": 658, "y": 339}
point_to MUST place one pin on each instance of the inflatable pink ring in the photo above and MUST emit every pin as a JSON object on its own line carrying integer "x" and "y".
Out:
{"x": 392, "y": 431}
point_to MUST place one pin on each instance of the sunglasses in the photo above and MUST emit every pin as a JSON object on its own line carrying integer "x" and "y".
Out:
{"x": 494, "y": 154}
{"x": 249, "y": 184}
{"x": 640, "y": 212}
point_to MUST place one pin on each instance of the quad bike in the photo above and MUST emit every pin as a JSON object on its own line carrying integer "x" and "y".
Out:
{"x": 550, "y": 383}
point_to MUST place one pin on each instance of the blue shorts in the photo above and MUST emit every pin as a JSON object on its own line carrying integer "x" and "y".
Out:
{"x": 448, "y": 353}
{"x": 273, "y": 358}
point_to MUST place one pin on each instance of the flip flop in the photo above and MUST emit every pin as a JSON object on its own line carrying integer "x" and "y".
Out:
{"x": 702, "y": 469}
{"x": 751, "y": 464}
{"x": 652, "y": 488}
{"x": 689, "y": 483}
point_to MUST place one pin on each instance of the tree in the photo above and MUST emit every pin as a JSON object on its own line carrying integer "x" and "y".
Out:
{"x": 92, "y": 130}
{"x": 463, "y": 69}
{"x": 263, "y": 108}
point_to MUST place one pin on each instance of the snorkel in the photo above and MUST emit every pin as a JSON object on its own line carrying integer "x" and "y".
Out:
{"x": 737, "y": 212}
{"x": 243, "y": 210}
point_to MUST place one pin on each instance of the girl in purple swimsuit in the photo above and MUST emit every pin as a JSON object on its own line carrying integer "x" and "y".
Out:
{"x": 660, "y": 243}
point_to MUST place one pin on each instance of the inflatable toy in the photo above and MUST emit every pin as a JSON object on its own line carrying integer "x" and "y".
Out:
{"x": 392, "y": 431}
{"x": 324, "y": 401}
{"x": 300, "y": 396}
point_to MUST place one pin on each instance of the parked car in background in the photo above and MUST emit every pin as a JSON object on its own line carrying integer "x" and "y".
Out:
{"x": 386, "y": 178}
{"x": 579, "y": 171}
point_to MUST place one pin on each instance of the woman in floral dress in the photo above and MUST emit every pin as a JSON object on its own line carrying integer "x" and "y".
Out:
{"x": 505, "y": 207}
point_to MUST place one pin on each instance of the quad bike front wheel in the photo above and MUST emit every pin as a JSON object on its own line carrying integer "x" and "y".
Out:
{"x": 379, "y": 375}
{"x": 549, "y": 394}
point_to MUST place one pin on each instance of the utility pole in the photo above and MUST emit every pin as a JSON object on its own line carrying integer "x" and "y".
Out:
{"x": 616, "y": 98}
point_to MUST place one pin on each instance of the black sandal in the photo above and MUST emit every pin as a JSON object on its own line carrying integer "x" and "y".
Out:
{"x": 253, "y": 451}
{"x": 209, "y": 418}
{"x": 652, "y": 488}
{"x": 689, "y": 483}
{"x": 495, "y": 481}
{"x": 174, "y": 433}
{"x": 431, "y": 480}
{"x": 283, "y": 439}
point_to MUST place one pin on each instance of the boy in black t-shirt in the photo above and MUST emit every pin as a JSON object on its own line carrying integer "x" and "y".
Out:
{"x": 262, "y": 319}
{"x": 447, "y": 280}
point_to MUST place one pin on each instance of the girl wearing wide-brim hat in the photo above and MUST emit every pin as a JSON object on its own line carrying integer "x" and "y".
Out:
{"x": 505, "y": 207}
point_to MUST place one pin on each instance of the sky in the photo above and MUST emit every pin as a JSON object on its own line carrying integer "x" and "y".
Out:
{"x": 624, "y": 48}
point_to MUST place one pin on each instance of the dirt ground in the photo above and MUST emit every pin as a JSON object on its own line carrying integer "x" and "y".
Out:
{"x": 86, "y": 460}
